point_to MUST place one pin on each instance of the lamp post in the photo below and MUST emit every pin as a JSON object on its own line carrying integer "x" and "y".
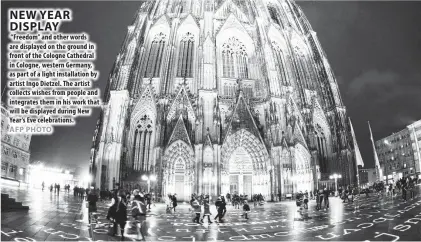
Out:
{"x": 336, "y": 176}
{"x": 149, "y": 178}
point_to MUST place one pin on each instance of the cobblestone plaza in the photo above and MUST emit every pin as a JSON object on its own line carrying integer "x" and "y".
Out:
{"x": 64, "y": 217}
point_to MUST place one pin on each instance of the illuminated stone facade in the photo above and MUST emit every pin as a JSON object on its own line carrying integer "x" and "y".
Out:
{"x": 399, "y": 153}
{"x": 15, "y": 151}
{"x": 222, "y": 96}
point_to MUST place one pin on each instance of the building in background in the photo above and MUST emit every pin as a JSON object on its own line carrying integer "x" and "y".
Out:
{"x": 415, "y": 136}
{"x": 40, "y": 171}
{"x": 15, "y": 151}
{"x": 367, "y": 177}
{"x": 219, "y": 97}
{"x": 399, "y": 153}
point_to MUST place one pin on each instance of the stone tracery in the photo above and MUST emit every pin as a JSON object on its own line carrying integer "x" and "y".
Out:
{"x": 204, "y": 72}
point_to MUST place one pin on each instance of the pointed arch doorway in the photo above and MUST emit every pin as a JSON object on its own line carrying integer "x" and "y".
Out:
{"x": 179, "y": 178}
{"x": 241, "y": 173}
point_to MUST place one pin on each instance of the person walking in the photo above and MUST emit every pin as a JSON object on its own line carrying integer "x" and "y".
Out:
{"x": 51, "y": 188}
{"x": 220, "y": 208}
{"x": 92, "y": 200}
{"x": 224, "y": 204}
{"x": 206, "y": 210}
{"x": 196, "y": 208}
{"x": 120, "y": 215}
{"x": 139, "y": 213}
{"x": 246, "y": 209}
{"x": 43, "y": 185}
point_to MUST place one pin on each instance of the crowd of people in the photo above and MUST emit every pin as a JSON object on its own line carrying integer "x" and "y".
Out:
{"x": 124, "y": 205}
{"x": 204, "y": 201}
{"x": 56, "y": 187}
{"x": 136, "y": 204}
{"x": 405, "y": 186}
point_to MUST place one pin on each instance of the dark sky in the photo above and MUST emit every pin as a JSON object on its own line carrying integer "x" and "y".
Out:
{"x": 373, "y": 47}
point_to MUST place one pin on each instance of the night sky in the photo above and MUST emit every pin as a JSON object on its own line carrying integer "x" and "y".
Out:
{"x": 373, "y": 47}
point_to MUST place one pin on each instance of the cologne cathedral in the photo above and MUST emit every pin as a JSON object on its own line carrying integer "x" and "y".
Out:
{"x": 221, "y": 96}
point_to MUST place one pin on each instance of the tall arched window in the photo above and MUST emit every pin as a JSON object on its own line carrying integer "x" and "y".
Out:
{"x": 282, "y": 65}
{"x": 155, "y": 56}
{"x": 185, "y": 56}
{"x": 234, "y": 59}
{"x": 143, "y": 144}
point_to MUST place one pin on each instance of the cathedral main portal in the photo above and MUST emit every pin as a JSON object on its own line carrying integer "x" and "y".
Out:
{"x": 240, "y": 173}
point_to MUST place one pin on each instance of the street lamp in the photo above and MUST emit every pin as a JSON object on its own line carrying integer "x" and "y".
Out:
{"x": 149, "y": 179}
{"x": 336, "y": 176}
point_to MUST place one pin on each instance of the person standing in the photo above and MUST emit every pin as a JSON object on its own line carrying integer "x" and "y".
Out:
{"x": 326, "y": 197}
{"x": 404, "y": 191}
{"x": 174, "y": 201}
{"x": 92, "y": 200}
{"x": 149, "y": 201}
{"x": 412, "y": 188}
{"x": 51, "y": 188}
{"x": 58, "y": 189}
{"x": 43, "y": 185}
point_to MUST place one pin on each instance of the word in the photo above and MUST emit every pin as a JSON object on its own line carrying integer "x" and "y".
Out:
{"x": 48, "y": 14}
{"x": 33, "y": 26}
{"x": 362, "y": 226}
{"x": 30, "y": 129}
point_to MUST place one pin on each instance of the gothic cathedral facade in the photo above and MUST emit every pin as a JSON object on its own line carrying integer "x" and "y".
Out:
{"x": 221, "y": 96}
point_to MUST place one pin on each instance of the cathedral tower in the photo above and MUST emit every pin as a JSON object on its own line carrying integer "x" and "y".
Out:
{"x": 221, "y": 96}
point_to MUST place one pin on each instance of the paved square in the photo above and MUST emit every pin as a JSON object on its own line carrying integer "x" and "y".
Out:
{"x": 64, "y": 217}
